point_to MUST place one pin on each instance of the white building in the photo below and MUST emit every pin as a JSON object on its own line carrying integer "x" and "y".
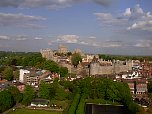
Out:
{"x": 21, "y": 76}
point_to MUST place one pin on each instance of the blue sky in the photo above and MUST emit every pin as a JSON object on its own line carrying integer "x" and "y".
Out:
{"x": 95, "y": 26}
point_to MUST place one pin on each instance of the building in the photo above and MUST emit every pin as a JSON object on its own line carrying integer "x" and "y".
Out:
{"x": 146, "y": 69}
{"x": 98, "y": 67}
{"x": 88, "y": 58}
{"x": 137, "y": 87}
{"x": 62, "y": 49}
{"x": 47, "y": 53}
{"x": 22, "y": 73}
{"x": 79, "y": 51}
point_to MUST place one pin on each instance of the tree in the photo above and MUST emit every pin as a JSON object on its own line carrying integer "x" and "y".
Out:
{"x": 51, "y": 65}
{"x": 28, "y": 95}
{"x": 76, "y": 59}
{"x": 15, "y": 93}
{"x": 6, "y": 101}
{"x": 135, "y": 109}
{"x": 69, "y": 54}
{"x": 8, "y": 73}
{"x": 149, "y": 86}
{"x": 46, "y": 91}
{"x": 63, "y": 71}
{"x": 16, "y": 74}
{"x": 74, "y": 104}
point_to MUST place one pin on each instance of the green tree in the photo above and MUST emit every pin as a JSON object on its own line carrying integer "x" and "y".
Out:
{"x": 28, "y": 95}
{"x": 81, "y": 106}
{"x": 16, "y": 74}
{"x": 6, "y": 101}
{"x": 8, "y": 73}
{"x": 46, "y": 91}
{"x": 74, "y": 104}
{"x": 76, "y": 59}
{"x": 15, "y": 93}
{"x": 149, "y": 86}
{"x": 135, "y": 109}
{"x": 63, "y": 71}
{"x": 51, "y": 65}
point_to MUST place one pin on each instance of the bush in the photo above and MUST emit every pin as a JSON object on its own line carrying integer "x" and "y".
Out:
{"x": 74, "y": 104}
{"x": 80, "y": 109}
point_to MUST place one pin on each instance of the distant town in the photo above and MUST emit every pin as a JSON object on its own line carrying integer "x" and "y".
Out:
{"x": 60, "y": 81}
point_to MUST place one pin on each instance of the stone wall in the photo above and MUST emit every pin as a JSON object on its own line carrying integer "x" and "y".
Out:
{"x": 96, "y": 69}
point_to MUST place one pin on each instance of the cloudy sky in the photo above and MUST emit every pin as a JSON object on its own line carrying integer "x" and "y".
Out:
{"x": 95, "y": 26}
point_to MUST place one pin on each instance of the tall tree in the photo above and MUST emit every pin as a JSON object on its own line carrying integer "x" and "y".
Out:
{"x": 8, "y": 73}
{"x": 76, "y": 59}
{"x": 6, "y": 101}
{"x": 46, "y": 91}
{"x": 15, "y": 93}
{"x": 63, "y": 71}
{"x": 51, "y": 65}
{"x": 28, "y": 95}
{"x": 16, "y": 74}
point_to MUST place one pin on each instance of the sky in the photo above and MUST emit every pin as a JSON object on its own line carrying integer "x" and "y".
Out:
{"x": 120, "y": 27}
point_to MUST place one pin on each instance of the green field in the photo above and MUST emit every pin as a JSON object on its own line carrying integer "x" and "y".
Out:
{"x": 29, "y": 111}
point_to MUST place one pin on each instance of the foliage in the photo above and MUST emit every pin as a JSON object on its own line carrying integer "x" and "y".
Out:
{"x": 63, "y": 71}
{"x": 76, "y": 59}
{"x": 61, "y": 94}
{"x": 46, "y": 91}
{"x": 149, "y": 86}
{"x": 21, "y": 59}
{"x": 74, "y": 104}
{"x": 28, "y": 95}
{"x": 123, "y": 57}
{"x": 51, "y": 65}
{"x": 53, "y": 91}
{"x": 29, "y": 111}
{"x": 8, "y": 73}
{"x": 6, "y": 101}
{"x": 135, "y": 108}
{"x": 81, "y": 106}
{"x": 15, "y": 93}
{"x": 16, "y": 74}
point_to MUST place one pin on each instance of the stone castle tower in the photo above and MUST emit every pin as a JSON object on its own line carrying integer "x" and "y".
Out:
{"x": 94, "y": 66}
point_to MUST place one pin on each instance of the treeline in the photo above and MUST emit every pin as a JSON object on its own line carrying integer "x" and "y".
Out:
{"x": 8, "y": 61}
{"x": 97, "y": 90}
{"x": 101, "y": 90}
{"x": 123, "y": 57}
{"x": 11, "y": 96}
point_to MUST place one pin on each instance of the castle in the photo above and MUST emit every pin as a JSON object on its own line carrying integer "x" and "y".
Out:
{"x": 98, "y": 68}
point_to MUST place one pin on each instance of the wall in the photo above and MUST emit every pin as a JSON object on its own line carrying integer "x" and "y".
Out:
{"x": 96, "y": 69}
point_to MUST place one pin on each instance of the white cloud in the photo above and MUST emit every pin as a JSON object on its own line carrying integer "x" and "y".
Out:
{"x": 143, "y": 25}
{"x": 92, "y": 37}
{"x": 140, "y": 20}
{"x": 4, "y": 38}
{"x": 127, "y": 12}
{"x": 19, "y": 19}
{"x": 144, "y": 43}
{"x": 32, "y": 26}
{"x": 109, "y": 20}
{"x": 38, "y": 38}
{"x": 68, "y": 38}
{"x": 84, "y": 43}
{"x": 132, "y": 18}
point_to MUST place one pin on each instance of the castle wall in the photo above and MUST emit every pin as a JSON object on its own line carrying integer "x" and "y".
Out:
{"x": 96, "y": 69}
{"x": 105, "y": 70}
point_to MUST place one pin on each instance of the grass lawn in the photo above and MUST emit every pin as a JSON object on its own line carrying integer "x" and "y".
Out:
{"x": 29, "y": 111}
